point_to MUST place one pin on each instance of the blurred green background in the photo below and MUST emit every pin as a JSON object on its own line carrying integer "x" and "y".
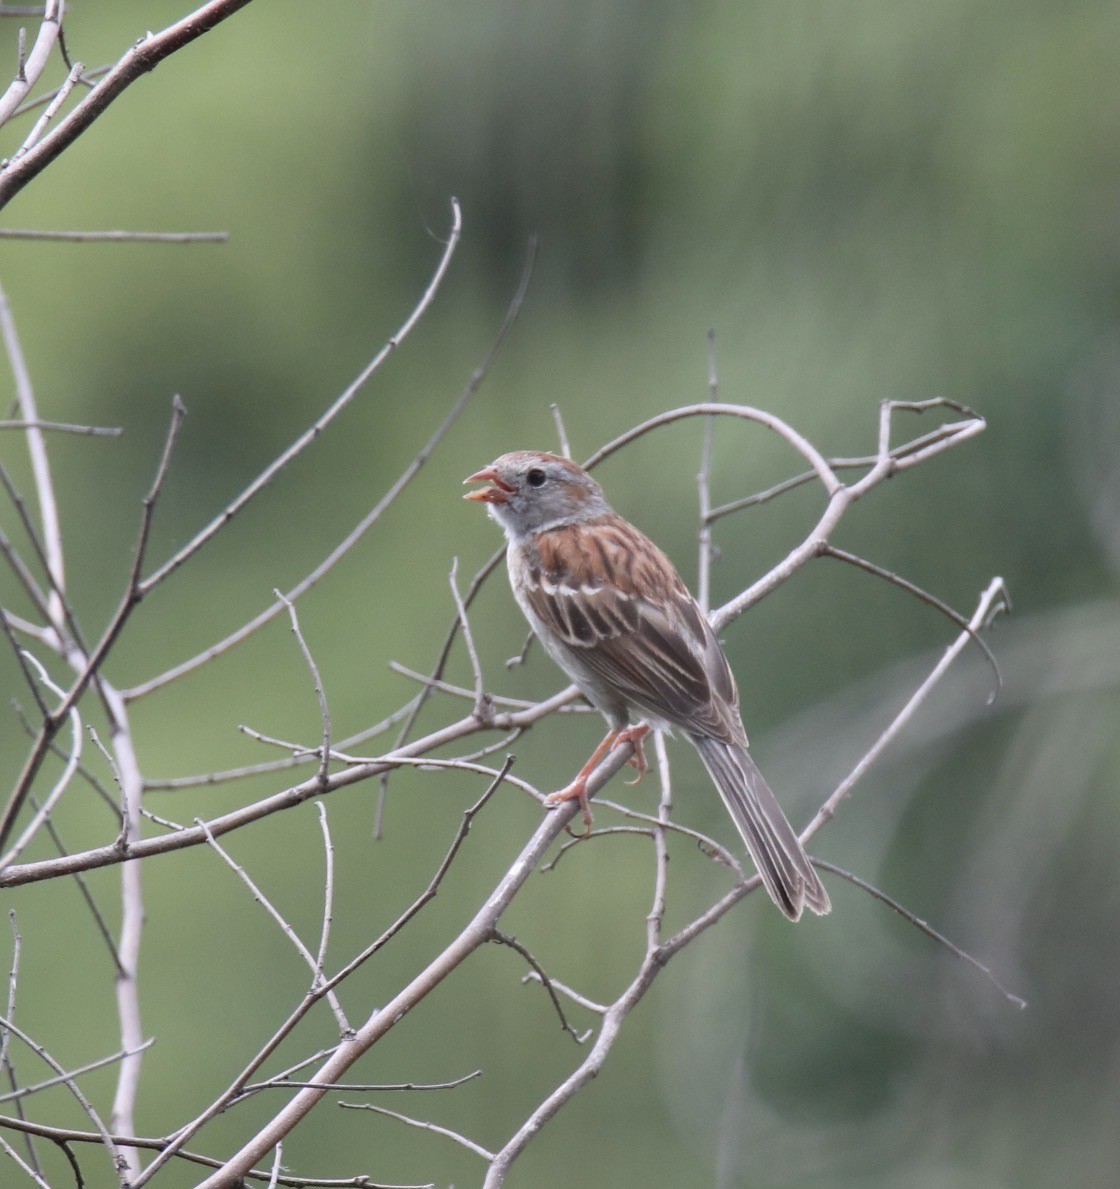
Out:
{"x": 864, "y": 201}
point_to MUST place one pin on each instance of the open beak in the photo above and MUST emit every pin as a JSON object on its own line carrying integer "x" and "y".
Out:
{"x": 498, "y": 493}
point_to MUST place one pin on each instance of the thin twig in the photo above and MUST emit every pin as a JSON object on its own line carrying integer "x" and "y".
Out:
{"x": 435, "y": 1128}
{"x": 315, "y": 430}
{"x": 561, "y": 432}
{"x": 83, "y": 887}
{"x": 63, "y": 782}
{"x": 25, "y": 399}
{"x": 829, "y": 550}
{"x": 72, "y": 1086}
{"x": 703, "y": 486}
{"x": 507, "y": 939}
{"x": 27, "y": 581}
{"x": 94, "y": 431}
{"x": 5, "y": 1035}
{"x": 277, "y": 1156}
{"x": 129, "y": 601}
{"x": 100, "y": 1063}
{"x": 40, "y": 125}
{"x": 483, "y": 707}
{"x": 328, "y": 893}
{"x": 141, "y": 57}
{"x": 283, "y": 1083}
{"x": 375, "y": 513}
{"x": 991, "y": 598}
{"x": 21, "y": 655}
{"x": 324, "y": 712}
{"x": 437, "y": 672}
{"x": 26, "y": 1168}
{"x": 64, "y": 1135}
{"x": 599, "y": 832}
{"x": 237, "y": 1087}
{"x": 458, "y": 691}
{"x": 13, "y": 983}
{"x": 212, "y": 779}
{"x": 656, "y": 917}
{"x": 531, "y": 976}
{"x": 519, "y": 658}
{"x": 285, "y": 927}
{"x": 116, "y": 236}
{"x": 32, "y": 65}
{"x": 923, "y": 927}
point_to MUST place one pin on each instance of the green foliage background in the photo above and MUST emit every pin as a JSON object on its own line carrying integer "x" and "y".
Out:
{"x": 864, "y": 201}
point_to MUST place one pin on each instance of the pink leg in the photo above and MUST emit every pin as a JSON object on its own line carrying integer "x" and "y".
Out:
{"x": 577, "y": 790}
{"x": 634, "y": 736}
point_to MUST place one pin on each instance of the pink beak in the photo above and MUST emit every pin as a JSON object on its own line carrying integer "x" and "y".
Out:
{"x": 499, "y": 493}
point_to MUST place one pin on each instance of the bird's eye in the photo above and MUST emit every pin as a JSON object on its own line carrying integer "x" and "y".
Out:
{"x": 535, "y": 477}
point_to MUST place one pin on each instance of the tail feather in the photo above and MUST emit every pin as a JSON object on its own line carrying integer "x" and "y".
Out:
{"x": 786, "y": 872}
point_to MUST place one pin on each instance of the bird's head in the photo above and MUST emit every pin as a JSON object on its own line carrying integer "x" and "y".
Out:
{"x": 529, "y": 490}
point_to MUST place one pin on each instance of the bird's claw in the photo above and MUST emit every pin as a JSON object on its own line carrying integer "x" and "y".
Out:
{"x": 634, "y": 736}
{"x": 576, "y": 791}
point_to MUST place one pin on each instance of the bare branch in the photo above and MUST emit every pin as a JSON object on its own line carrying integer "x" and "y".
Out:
{"x": 328, "y": 894}
{"x": 25, "y": 399}
{"x": 483, "y": 707}
{"x": 72, "y": 1086}
{"x": 93, "y": 431}
{"x": 922, "y": 926}
{"x": 828, "y": 550}
{"x": 561, "y": 432}
{"x": 118, "y": 780}
{"x": 116, "y": 237}
{"x": 991, "y": 600}
{"x": 285, "y": 927}
{"x": 53, "y": 107}
{"x": 309, "y": 435}
{"x": 913, "y": 446}
{"x": 63, "y": 782}
{"x": 65, "y": 1135}
{"x": 435, "y": 1128}
{"x": 507, "y": 939}
{"x": 281, "y": 1083}
{"x": 519, "y": 659}
{"x": 26, "y": 1168}
{"x": 475, "y": 934}
{"x": 532, "y": 976}
{"x": 211, "y": 779}
{"x": 375, "y": 514}
{"x": 315, "y": 1088}
{"x": 703, "y": 487}
{"x": 25, "y": 1091}
{"x": 83, "y": 887}
{"x": 21, "y": 655}
{"x": 27, "y": 581}
{"x": 33, "y": 65}
{"x": 129, "y": 601}
{"x": 137, "y": 61}
{"x": 799, "y": 443}
{"x": 325, "y": 765}
{"x": 459, "y": 691}
{"x": 507, "y": 325}
{"x": 13, "y": 983}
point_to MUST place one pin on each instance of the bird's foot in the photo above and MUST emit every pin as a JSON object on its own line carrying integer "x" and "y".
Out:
{"x": 634, "y": 736}
{"x": 576, "y": 791}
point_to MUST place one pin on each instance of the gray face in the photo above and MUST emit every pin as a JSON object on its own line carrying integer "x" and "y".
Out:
{"x": 530, "y": 490}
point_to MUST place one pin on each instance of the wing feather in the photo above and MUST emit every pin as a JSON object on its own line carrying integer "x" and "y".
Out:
{"x": 633, "y": 623}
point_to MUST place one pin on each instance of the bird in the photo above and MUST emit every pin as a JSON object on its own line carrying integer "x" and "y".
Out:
{"x": 611, "y": 610}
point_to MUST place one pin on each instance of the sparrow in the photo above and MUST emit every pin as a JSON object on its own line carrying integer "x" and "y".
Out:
{"x": 611, "y": 610}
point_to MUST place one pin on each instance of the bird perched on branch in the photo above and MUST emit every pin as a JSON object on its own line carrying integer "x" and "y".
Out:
{"x": 613, "y": 613}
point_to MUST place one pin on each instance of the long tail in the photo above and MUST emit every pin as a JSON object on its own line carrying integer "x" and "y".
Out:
{"x": 781, "y": 861}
